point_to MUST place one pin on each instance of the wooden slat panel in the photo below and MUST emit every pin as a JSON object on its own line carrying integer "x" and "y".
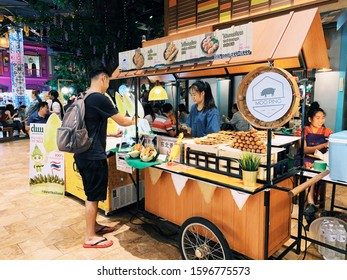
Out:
{"x": 240, "y": 8}
{"x": 186, "y": 9}
{"x": 172, "y": 19}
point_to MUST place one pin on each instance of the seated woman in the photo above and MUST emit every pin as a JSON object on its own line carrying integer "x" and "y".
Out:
{"x": 182, "y": 113}
{"x": 315, "y": 138}
{"x": 149, "y": 113}
{"x": 8, "y": 119}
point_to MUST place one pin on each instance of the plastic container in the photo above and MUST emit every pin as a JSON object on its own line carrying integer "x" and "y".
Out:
{"x": 330, "y": 239}
{"x": 321, "y": 237}
{"x": 341, "y": 236}
{"x": 337, "y": 154}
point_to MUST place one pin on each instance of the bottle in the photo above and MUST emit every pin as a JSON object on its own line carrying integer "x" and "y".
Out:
{"x": 341, "y": 237}
{"x": 321, "y": 235}
{"x": 330, "y": 239}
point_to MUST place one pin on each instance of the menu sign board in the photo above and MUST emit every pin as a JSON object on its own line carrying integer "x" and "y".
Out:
{"x": 230, "y": 42}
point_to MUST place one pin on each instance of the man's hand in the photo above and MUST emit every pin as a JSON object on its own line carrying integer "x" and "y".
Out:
{"x": 119, "y": 133}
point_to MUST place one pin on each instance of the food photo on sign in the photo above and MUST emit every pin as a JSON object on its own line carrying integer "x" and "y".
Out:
{"x": 210, "y": 45}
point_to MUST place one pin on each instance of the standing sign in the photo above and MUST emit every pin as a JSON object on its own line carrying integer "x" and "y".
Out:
{"x": 46, "y": 168}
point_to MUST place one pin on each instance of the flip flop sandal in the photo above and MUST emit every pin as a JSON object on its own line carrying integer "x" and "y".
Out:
{"x": 105, "y": 229}
{"x": 98, "y": 245}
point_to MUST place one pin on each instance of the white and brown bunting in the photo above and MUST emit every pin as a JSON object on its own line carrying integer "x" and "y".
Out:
{"x": 250, "y": 141}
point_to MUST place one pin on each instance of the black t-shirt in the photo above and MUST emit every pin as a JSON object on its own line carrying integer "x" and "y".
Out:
{"x": 98, "y": 109}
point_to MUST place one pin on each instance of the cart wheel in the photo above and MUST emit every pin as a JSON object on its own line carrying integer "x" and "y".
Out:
{"x": 201, "y": 240}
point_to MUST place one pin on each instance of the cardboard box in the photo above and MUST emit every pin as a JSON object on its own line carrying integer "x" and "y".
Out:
{"x": 337, "y": 155}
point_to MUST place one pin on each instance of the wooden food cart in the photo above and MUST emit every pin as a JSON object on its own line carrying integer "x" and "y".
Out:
{"x": 204, "y": 203}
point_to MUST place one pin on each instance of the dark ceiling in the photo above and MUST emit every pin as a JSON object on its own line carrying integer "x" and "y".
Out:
{"x": 143, "y": 14}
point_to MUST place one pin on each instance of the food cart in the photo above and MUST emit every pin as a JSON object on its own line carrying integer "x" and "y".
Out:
{"x": 213, "y": 209}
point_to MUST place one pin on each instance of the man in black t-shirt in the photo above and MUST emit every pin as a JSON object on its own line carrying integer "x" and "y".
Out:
{"x": 92, "y": 164}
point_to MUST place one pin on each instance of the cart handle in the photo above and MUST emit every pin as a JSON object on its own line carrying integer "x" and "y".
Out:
{"x": 308, "y": 183}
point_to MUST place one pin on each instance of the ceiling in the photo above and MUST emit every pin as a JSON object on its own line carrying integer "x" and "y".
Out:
{"x": 143, "y": 14}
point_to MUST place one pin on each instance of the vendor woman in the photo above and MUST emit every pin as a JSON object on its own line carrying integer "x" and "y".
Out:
{"x": 315, "y": 138}
{"x": 204, "y": 115}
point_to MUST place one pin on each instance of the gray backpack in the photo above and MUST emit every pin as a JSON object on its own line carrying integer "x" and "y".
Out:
{"x": 72, "y": 136}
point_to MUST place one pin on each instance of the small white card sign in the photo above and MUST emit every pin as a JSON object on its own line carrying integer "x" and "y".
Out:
{"x": 122, "y": 164}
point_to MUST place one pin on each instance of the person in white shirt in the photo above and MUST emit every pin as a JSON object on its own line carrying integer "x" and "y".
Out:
{"x": 56, "y": 106}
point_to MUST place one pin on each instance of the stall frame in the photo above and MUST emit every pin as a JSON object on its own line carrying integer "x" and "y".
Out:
{"x": 306, "y": 53}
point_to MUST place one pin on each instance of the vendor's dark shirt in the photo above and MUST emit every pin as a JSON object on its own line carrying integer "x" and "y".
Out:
{"x": 36, "y": 118}
{"x": 98, "y": 109}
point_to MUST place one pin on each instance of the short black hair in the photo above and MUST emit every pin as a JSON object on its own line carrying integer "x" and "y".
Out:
{"x": 167, "y": 107}
{"x": 42, "y": 104}
{"x": 96, "y": 72}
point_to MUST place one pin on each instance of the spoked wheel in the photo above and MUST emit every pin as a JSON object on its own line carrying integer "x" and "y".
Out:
{"x": 201, "y": 240}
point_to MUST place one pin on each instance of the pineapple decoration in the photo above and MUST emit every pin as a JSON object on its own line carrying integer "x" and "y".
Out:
{"x": 175, "y": 150}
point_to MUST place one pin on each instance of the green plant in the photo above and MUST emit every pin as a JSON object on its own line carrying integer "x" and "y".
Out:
{"x": 249, "y": 161}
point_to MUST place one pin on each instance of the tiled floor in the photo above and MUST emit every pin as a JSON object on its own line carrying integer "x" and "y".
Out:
{"x": 38, "y": 227}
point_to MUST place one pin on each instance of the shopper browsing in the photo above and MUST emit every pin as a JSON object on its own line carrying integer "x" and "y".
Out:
{"x": 204, "y": 115}
{"x": 92, "y": 164}
{"x": 34, "y": 104}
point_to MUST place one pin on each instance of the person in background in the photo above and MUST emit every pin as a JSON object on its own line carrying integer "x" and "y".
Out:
{"x": 22, "y": 116}
{"x": 157, "y": 108}
{"x": 39, "y": 116}
{"x": 149, "y": 113}
{"x": 70, "y": 101}
{"x": 162, "y": 124}
{"x": 315, "y": 138}
{"x": 237, "y": 120}
{"x": 182, "y": 113}
{"x": 8, "y": 119}
{"x": 144, "y": 95}
{"x": 92, "y": 164}
{"x": 34, "y": 104}
{"x": 204, "y": 116}
{"x": 56, "y": 106}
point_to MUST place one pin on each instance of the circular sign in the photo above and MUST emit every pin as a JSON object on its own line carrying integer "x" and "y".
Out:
{"x": 268, "y": 97}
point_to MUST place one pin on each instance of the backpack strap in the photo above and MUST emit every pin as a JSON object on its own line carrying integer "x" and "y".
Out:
{"x": 86, "y": 95}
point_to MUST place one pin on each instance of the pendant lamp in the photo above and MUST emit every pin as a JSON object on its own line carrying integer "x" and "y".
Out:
{"x": 157, "y": 93}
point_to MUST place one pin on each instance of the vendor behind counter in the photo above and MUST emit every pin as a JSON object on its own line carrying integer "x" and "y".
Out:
{"x": 204, "y": 116}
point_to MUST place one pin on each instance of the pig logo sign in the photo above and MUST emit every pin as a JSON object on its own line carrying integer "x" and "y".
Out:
{"x": 269, "y": 96}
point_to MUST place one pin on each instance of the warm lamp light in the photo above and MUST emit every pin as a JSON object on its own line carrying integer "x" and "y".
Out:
{"x": 4, "y": 42}
{"x": 325, "y": 70}
{"x": 157, "y": 93}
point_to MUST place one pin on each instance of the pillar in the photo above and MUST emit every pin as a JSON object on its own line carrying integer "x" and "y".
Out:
{"x": 17, "y": 65}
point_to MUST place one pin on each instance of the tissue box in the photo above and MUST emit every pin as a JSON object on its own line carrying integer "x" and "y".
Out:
{"x": 337, "y": 155}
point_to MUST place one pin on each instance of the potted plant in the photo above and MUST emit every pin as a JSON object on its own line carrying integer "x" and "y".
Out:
{"x": 249, "y": 164}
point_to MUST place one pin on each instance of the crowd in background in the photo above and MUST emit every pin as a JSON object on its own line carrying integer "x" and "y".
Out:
{"x": 38, "y": 111}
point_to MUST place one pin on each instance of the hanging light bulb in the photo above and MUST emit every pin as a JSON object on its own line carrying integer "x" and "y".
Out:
{"x": 157, "y": 93}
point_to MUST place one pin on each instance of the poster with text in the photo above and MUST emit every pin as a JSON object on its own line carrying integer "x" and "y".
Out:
{"x": 46, "y": 170}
